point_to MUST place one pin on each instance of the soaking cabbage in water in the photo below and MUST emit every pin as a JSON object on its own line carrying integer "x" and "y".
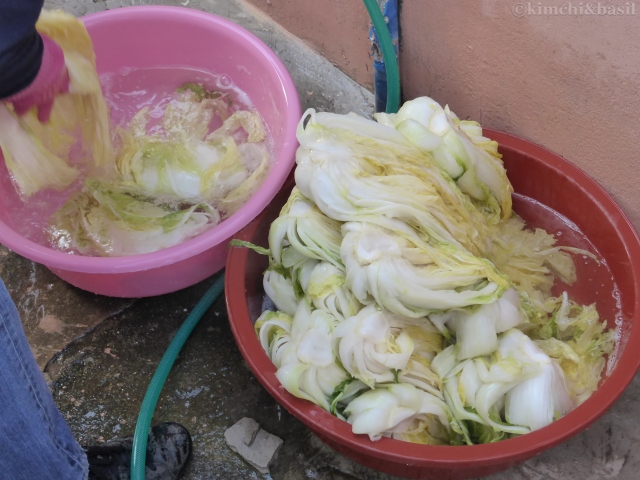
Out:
{"x": 149, "y": 185}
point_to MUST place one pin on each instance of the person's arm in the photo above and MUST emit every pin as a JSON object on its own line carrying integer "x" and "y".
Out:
{"x": 32, "y": 70}
{"x": 20, "y": 45}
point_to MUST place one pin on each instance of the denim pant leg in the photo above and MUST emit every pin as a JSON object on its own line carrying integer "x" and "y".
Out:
{"x": 35, "y": 441}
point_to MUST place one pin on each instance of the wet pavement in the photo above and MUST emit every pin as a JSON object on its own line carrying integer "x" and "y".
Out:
{"x": 99, "y": 353}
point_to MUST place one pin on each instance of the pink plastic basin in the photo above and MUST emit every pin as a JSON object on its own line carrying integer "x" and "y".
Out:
{"x": 145, "y": 37}
{"x": 537, "y": 175}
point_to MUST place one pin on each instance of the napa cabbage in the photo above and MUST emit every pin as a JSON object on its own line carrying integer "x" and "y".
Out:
{"x": 515, "y": 389}
{"x": 370, "y": 349}
{"x": 302, "y": 227}
{"x": 360, "y": 173}
{"x": 32, "y": 166}
{"x": 327, "y": 289}
{"x": 460, "y": 149}
{"x": 427, "y": 303}
{"x": 178, "y": 163}
{"x": 37, "y": 155}
{"x": 410, "y": 277}
{"x": 172, "y": 172}
{"x": 400, "y": 411}
{"x": 307, "y": 365}
{"x": 108, "y": 219}
{"x": 476, "y": 332}
{"x": 578, "y": 343}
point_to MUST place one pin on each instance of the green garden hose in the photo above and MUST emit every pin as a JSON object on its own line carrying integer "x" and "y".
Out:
{"x": 388, "y": 54}
{"x": 138, "y": 454}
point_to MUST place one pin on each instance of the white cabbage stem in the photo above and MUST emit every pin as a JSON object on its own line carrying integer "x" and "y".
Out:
{"x": 308, "y": 367}
{"x": 477, "y": 332}
{"x": 380, "y": 266}
{"x": 303, "y": 227}
{"x": 327, "y": 290}
{"x": 392, "y": 409}
{"x": 369, "y": 349}
{"x": 280, "y": 291}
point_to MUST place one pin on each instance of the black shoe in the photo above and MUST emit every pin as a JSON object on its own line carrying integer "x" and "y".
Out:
{"x": 168, "y": 451}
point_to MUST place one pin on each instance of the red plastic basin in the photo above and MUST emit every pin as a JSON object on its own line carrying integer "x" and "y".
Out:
{"x": 550, "y": 193}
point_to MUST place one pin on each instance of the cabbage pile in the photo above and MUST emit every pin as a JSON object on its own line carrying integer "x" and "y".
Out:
{"x": 150, "y": 185}
{"x": 408, "y": 299}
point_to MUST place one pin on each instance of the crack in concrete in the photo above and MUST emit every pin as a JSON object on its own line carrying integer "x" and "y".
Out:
{"x": 100, "y": 326}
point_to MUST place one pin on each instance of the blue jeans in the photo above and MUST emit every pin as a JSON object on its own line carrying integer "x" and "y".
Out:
{"x": 35, "y": 441}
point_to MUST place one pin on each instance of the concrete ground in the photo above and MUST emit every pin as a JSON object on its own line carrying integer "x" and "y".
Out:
{"x": 99, "y": 353}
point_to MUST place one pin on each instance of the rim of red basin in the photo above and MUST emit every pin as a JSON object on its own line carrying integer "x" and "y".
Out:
{"x": 415, "y": 455}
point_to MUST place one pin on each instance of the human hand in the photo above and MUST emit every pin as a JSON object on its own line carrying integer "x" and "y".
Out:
{"x": 52, "y": 79}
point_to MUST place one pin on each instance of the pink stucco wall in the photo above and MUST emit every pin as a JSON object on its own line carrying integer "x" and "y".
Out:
{"x": 338, "y": 29}
{"x": 569, "y": 82}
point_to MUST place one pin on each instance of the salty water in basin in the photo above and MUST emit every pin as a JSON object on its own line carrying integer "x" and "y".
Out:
{"x": 594, "y": 277}
{"x": 126, "y": 93}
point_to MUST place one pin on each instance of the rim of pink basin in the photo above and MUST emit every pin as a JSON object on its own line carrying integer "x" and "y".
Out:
{"x": 279, "y": 171}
